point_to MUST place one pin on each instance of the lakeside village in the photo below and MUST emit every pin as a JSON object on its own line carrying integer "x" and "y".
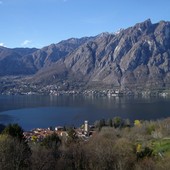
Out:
{"x": 51, "y": 90}
{"x": 20, "y": 87}
{"x": 17, "y": 86}
{"x": 37, "y": 135}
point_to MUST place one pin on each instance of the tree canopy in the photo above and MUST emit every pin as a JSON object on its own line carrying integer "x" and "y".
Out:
{"x": 14, "y": 130}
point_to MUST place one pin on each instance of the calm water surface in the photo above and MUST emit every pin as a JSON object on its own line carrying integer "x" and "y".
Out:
{"x": 44, "y": 111}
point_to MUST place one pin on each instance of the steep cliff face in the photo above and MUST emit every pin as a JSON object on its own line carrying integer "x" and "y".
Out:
{"x": 136, "y": 57}
{"x": 52, "y": 53}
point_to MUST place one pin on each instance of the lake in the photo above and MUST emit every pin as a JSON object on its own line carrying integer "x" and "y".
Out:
{"x": 44, "y": 111}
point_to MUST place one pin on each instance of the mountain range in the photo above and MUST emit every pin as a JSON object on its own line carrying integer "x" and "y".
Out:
{"x": 136, "y": 57}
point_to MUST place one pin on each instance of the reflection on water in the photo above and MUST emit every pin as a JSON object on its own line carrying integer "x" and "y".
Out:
{"x": 43, "y": 111}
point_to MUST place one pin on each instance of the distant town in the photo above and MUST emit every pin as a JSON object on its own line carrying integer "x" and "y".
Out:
{"x": 18, "y": 87}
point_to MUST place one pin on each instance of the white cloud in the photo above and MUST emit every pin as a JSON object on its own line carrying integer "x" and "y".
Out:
{"x": 2, "y": 45}
{"x": 26, "y": 42}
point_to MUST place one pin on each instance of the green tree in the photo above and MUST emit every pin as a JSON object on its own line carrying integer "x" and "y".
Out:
{"x": 14, "y": 130}
{"x": 117, "y": 122}
{"x": 72, "y": 136}
{"x": 51, "y": 141}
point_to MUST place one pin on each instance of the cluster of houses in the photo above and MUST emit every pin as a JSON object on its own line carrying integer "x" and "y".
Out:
{"x": 38, "y": 134}
{"x": 107, "y": 92}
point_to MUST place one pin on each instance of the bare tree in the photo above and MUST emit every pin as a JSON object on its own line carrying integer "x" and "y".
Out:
{"x": 14, "y": 154}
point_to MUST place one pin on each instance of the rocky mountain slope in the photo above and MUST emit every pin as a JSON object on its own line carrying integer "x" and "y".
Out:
{"x": 13, "y": 62}
{"x": 25, "y": 61}
{"x": 136, "y": 57}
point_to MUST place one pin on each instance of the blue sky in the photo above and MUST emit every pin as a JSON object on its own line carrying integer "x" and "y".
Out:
{"x": 37, "y": 23}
